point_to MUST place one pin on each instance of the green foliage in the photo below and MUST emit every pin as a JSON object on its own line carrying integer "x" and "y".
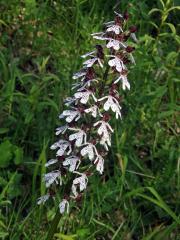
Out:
{"x": 40, "y": 45}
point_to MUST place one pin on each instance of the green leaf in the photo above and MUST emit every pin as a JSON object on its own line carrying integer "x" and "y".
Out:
{"x": 3, "y": 181}
{"x": 174, "y": 8}
{"x": 159, "y": 202}
{"x": 3, "y": 130}
{"x": 83, "y": 232}
{"x": 171, "y": 57}
{"x": 3, "y": 234}
{"x": 5, "y": 189}
{"x": 165, "y": 114}
{"x": 29, "y": 117}
{"x": 3, "y": 23}
{"x": 18, "y": 156}
{"x": 177, "y": 38}
{"x": 172, "y": 27}
{"x": 15, "y": 188}
{"x": 50, "y": 103}
{"x": 6, "y": 154}
{"x": 155, "y": 10}
{"x": 65, "y": 237}
{"x": 163, "y": 5}
{"x": 5, "y": 203}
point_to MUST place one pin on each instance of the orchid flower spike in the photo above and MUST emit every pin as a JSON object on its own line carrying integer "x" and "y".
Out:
{"x": 84, "y": 138}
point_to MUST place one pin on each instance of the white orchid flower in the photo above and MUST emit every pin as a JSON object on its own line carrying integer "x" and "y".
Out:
{"x": 70, "y": 115}
{"x": 117, "y": 63}
{"x": 63, "y": 145}
{"x": 125, "y": 83}
{"x": 61, "y": 129}
{"x": 101, "y": 37}
{"x": 88, "y": 54}
{"x": 79, "y": 136}
{"x": 82, "y": 85}
{"x": 114, "y": 28}
{"x": 51, "y": 177}
{"x": 43, "y": 199}
{"x": 99, "y": 161}
{"x": 69, "y": 100}
{"x": 84, "y": 96}
{"x": 73, "y": 162}
{"x": 97, "y": 33}
{"x": 113, "y": 104}
{"x": 103, "y": 131}
{"x": 94, "y": 110}
{"x": 109, "y": 23}
{"x": 115, "y": 44}
{"x": 112, "y": 43}
{"x": 51, "y": 162}
{"x": 79, "y": 74}
{"x": 64, "y": 206}
{"x": 118, "y": 14}
{"x": 89, "y": 150}
{"x": 81, "y": 181}
{"x": 90, "y": 62}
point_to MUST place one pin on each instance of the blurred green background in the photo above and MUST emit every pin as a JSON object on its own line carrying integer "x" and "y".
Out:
{"x": 138, "y": 197}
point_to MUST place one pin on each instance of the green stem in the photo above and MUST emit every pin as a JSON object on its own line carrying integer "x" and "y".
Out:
{"x": 54, "y": 224}
{"x": 106, "y": 73}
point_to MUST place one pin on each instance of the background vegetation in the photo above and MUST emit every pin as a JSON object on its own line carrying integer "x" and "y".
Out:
{"x": 138, "y": 197}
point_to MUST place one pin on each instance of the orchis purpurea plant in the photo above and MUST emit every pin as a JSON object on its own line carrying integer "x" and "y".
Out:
{"x": 85, "y": 135}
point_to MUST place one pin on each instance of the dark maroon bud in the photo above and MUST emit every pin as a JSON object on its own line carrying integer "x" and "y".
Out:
{"x": 106, "y": 117}
{"x": 81, "y": 109}
{"x": 88, "y": 173}
{"x": 63, "y": 171}
{"x": 93, "y": 141}
{"x": 118, "y": 21}
{"x": 52, "y": 193}
{"x": 133, "y": 29}
{"x": 120, "y": 37}
{"x": 126, "y": 15}
{"x": 126, "y": 60}
{"x": 99, "y": 47}
{"x": 79, "y": 197}
{"x": 71, "y": 124}
{"x": 111, "y": 92}
{"x": 61, "y": 158}
{"x": 78, "y": 154}
{"x": 92, "y": 89}
{"x": 119, "y": 55}
{"x": 98, "y": 103}
{"x": 90, "y": 74}
{"x": 72, "y": 142}
{"x": 100, "y": 53}
{"x": 66, "y": 197}
{"x": 114, "y": 86}
{"x": 130, "y": 49}
{"x": 109, "y": 34}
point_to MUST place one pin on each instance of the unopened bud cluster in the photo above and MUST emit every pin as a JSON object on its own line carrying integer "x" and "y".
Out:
{"x": 85, "y": 135}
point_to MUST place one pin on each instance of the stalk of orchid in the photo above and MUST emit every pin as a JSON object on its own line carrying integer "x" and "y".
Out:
{"x": 85, "y": 137}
